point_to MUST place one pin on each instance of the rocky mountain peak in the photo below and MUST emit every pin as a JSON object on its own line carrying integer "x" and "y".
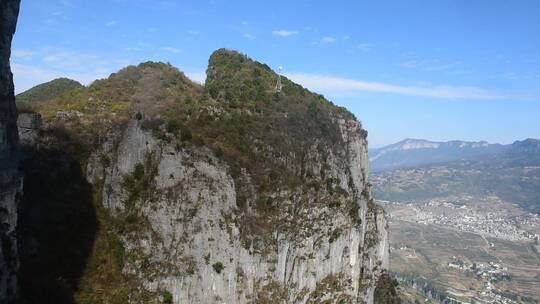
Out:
{"x": 411, "y": 143}
{"x": 413, "y": 152}
{"x": 232, "y": 76}
{"x": 262, "y": 195}
{"x": 226, "y": 63}
{"x": 526, "y": 145}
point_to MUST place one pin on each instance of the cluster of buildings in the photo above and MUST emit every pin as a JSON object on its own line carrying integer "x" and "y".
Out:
{"x": 490, "y": 274}
{"x": 495, "y": 224}
{"x": 488, "y": 217}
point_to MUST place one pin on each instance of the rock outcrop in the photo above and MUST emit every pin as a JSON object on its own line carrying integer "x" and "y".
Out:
{"x": 188, "y": 241}
{"x": 229, "y": 192}
{"x": 200, "y": 227}
{"x": 10, "y": 178}
{"x": 29, "y": 125}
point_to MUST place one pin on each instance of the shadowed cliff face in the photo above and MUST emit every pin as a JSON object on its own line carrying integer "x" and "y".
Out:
{"x": 10, "y": 183}
{"x": 57, "y": 226}
{"x": 9, "y": 10}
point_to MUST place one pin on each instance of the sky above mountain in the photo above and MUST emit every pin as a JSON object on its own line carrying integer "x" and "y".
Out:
{"x": 441, "y": 70}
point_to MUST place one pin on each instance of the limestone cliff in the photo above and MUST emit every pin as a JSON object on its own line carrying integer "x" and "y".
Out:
{"x": 291, "y": 224}
{"x": 224, "y": 193}
{"x": 187, "y": 235}
{"x": 10, "y": 179}
{"x": 28, "y": 125}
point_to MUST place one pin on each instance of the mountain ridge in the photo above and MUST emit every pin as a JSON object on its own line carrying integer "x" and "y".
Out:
{"x": 415, "y": 152}
{"x": 47, "y": 91}
{"x": 513, "y": 174}
{"x": 229, "y": 184}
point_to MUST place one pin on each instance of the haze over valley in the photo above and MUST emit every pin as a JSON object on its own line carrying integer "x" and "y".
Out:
{"x": 464, "y": 218}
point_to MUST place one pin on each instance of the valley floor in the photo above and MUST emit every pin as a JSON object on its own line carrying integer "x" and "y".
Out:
{"x": 465, "y": 250}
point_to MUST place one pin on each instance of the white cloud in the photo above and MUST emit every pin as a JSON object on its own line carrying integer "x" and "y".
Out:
{"x": 249, "y": 36}
{"x": 59, "y": 15}
{"x": 328, "y": 39}
{"x": 22, "y": 54}
{"x": 111, "y": 23}
{"x": 170, "y": 49}
{"x": 47, "y": 64}
{"x": 193, "y": 33}
{"x": 338, "y": 85}
{"x": 363, "y": 46}
{"x": 521, "y": 76}
{"x": 199, "y": 77}
{"x": 324, "y": 40}
{"x": 71, "y": 59}
{"x": 26, "y": 76}
{"x": 429, "y": 65}
{"x": 50, "y": 22}
{"x": 285, "y": 33}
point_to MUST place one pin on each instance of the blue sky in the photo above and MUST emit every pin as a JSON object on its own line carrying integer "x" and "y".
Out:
{"x": 438, "y": 70}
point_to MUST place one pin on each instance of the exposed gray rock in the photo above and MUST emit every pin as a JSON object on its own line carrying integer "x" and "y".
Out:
{"x": 69, "y": 115}
{"x": 188, "y": 240}
{"x": 29, "y": 125}
{"x": 10, "y": 178}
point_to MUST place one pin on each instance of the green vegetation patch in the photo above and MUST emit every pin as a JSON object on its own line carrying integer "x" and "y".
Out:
{"x": 47, "y": 91}
{"x": 218, "y": 267}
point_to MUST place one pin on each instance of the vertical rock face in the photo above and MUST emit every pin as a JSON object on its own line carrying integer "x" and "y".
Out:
{"x": 29, "y": 125}
{"x": 10, "y": 179}
{"x": 185, "y": 235}
{"x": 227, "y": 193}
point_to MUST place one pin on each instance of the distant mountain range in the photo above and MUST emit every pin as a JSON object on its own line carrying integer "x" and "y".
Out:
{"x": 511, "y": 172}
{"x": 415, "y": 152}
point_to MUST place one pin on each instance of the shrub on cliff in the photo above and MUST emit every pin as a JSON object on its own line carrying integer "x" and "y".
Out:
{"x": 385, "y": 291}
{"x": 218, "y": 267}
{"x": 167, "y": 298}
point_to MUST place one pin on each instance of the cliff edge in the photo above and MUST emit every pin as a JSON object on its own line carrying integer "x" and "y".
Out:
{"x": 228, "y": 192}
{"x": 10, "y": 178}
{"x": 245, "y": 195}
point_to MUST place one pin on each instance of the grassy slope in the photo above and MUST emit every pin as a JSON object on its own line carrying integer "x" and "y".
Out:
{"x": 47, "y": 91}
